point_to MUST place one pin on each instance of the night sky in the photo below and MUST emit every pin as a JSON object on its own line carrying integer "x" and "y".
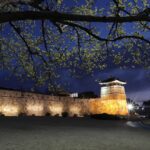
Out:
{"x": 138, "y": 79}
{"x": 137, "y": 88}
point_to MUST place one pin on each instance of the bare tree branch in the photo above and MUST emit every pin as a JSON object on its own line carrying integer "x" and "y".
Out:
{"x": 84, "y": 29}
{"x": 22, "y": 38}
{"x": 43, "y": 34}
{"x": 28, "y": 47}
{"x": 105, "y": 39}
{"x": 57, "y": 16}
{"x": 111, "y": 29}
{"x": 78, "y": 43}
{"x": 145, "y": 26}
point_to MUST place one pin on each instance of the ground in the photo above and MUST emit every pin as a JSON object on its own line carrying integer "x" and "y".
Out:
{"x": 47, "y": 133}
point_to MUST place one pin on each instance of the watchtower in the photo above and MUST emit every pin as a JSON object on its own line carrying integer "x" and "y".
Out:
{"x": 113, "y": 88}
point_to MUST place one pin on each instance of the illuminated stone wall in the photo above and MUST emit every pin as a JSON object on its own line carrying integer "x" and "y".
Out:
{"x": 15, "y": 103}
{"x": 113, "y": 107}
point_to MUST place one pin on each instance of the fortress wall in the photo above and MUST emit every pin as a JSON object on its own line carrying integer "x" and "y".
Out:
{"x": 113, "y": 107}
{"x": 14, "y": 103}
{"x": 114, "y": 97}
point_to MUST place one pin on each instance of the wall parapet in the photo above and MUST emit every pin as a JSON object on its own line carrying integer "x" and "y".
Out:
{"x": 14, "y": 103}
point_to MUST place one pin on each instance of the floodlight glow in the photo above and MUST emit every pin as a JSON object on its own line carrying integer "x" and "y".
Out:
{"x": 10, "y": 110}
{"x": 74, "y": 110}
{"x": 35, "y": 109}
{"x": 56, "y": 108}
{"x": 130, "y": 107}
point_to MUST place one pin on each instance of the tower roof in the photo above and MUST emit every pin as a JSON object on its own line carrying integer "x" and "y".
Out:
{"x": 112, "y": 80}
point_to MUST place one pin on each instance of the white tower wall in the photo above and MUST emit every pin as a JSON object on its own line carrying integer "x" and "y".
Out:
{"x": 112, "y": 90}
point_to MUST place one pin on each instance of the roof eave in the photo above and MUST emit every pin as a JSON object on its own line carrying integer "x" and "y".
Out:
{"x": 115, "y": 81}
